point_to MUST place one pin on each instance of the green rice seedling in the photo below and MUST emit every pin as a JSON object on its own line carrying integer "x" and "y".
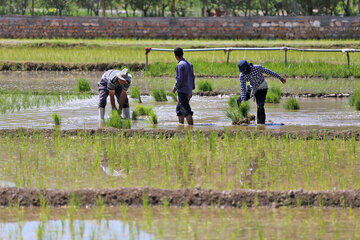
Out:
{"x": 57, "y": 118}
{"x": 274, "y": 95}
{"x": 292, "y": 104}
{"x": 204, "y": 86}
{"x": 233, "y": 101}
{"x": 236, "y": 113}
{"x": 83, "y": 85}
{"x": 153, "y": 118}
{"x": 159, "y": 95}
{"x": 142, "y": 110}
{"x": 116, "y": 121}
{"x": 173, "y": 96}
{"x": 355, "y": 100}
{"x": 135, "y": 93}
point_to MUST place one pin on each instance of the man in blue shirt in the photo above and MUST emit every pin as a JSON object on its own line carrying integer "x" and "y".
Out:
{"x": 258, "y": 85}
{"x": 185, "y": 83}
{"x": 114, "y": 83}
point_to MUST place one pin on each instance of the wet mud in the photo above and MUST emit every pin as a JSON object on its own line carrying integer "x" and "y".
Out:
{"x": 260, "y": 131}
{"x": 38, "y": 66}
{"x": 178, "y": 198}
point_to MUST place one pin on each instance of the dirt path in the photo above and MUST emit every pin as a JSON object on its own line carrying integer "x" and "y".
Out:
{"x": 303, "y": 134}
{"x": 178, "y": 198}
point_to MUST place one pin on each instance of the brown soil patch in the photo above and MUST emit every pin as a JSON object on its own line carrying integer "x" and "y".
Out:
{"x": 179, "y": 198}
{"x": 38, "y": 66}
{"x": 303, "y": 134}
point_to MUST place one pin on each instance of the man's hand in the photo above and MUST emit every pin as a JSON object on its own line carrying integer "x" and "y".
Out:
{"x": 283, "y": 80}
{"x": 174, "y": 91}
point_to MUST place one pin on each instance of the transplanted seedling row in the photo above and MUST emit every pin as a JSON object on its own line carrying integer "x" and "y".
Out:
{"x": 235, "y": 162}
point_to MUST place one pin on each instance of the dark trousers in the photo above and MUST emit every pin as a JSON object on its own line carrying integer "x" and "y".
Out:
{"x": 183, "y": 107}
{"x": 260, "y": 97}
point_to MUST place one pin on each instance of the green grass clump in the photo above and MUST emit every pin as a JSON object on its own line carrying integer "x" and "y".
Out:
{"x": 141, "y": 110}
{"x": 135, "y": 93}
{"x": 233, "y": 101}
{"x": 57, "y": 118}
{"x": 159, "y": 95}
{"x": 153, "y": 118}
{"x": 235, "y": 112}
{"x": 274, "y": 95}
{"x": 292, "y": 104}
{"x": 355, "y": 100}
{"x": 83, "y": 85}
{"x": 205, "y": 86}
{"x": 116, "y": 121}
{"x": 173, "y": 95}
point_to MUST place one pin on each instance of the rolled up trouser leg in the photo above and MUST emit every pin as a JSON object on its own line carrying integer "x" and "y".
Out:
{"x": 125, "y": 113}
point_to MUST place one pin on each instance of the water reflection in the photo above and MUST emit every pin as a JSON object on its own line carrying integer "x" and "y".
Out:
{"x": 77, "y": 229}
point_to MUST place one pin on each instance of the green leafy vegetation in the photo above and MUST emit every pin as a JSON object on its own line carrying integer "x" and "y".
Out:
{"x": 292, "y": 104}
{"x": 237, "y": 113}
{"x": 141, "y": 110}
{"x": 204, "y": 86}
{"x": 159, "y": 95}
{"x": 173, "y": 96}
{"x": 83, "y": 85}
{"x": 273, "y": 95}
{"x": 162, "y": 162}
{"x": 57, "y": 118}
{"x": 116, "y": 121}
{"x": 16, "y": 101}
{"x": 355, "y": 100}
{"x": 135, "y": 93}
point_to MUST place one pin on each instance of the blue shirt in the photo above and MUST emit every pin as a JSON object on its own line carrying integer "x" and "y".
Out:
{"x": 256, "y": 79}
{"x": 185, "y": 78}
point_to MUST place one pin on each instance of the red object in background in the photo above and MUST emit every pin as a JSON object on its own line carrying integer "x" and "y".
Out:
{"x": 217, "y": 13}
{"x": 147, "y": 50}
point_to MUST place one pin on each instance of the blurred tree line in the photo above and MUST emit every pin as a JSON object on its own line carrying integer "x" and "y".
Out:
{"x": 182, "y": 8}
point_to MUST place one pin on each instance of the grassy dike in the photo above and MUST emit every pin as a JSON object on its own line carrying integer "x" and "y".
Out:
{"x": 90, "y": 55}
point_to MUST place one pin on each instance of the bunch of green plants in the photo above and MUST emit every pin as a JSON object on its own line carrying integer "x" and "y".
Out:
{"x": 234, "y": 161}
{"x": 273, "y": 95}
{"x": 57, "y": 118}
{"x": 355, "y": 100}
{"x": 292, "y": 69}
{"x": 159, "y": 95}
{"x": 292, "y": 104}
{"x": 173, "y": 96}
{"x": 83, "y": 85}
{"x": 16, "y": 101}
{"x": 236, "y": 112}
{"x": 116, "y": 121}
{"x": 141, "y": 110}
{"x": 204, "y": 86}
{"x": 135, "y": 93}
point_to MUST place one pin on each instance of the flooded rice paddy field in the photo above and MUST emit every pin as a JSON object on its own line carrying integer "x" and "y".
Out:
{"x": 184, "y": 223}
{"x": 68, "y": 162}
{"x": 209, "y": 113}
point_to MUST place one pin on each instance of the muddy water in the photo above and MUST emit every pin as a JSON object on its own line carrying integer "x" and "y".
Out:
{"x": 209, "y": 113}
{"x": 165, "y": 223}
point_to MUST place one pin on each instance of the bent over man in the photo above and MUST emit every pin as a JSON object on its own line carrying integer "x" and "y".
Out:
{"x": 114, "y": 83}
{"x": 258, "y": 86}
